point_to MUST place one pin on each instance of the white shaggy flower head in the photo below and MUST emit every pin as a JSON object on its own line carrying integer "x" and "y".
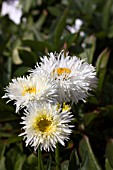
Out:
{"x": 74, "y": 77}
{"x": 45, "y": 125}
{"x": 24, "y": 91}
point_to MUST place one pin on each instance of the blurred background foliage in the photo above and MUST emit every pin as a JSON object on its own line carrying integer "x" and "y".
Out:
{"x": 44, "y": 28}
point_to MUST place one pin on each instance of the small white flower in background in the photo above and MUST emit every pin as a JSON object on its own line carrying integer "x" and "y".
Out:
{"x": 76, "y": 27}
{"x": 45, "y": 125}
{"x": 83, "y": 45}
{"x": 82, "y": 34}
{"x": 25, "y": 91}
{"x": 13, "y": 9}
{"x": 73, "y": 76}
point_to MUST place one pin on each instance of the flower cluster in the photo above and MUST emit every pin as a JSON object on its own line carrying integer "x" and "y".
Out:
{"x": 57, "y": 79}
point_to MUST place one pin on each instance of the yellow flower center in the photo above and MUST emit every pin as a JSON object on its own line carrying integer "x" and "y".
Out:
{"x": 66, "y": 107}
{"x": 29, "y": 90}
{"x": 43, "y": 124}
{"x": 61, "y": 71}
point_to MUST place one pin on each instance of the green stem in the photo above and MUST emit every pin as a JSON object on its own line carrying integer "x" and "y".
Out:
{"x": 57, "y": 158}
{"x": 40, "y": 162}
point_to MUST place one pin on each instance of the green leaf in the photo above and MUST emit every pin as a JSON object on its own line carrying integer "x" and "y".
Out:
{"x": 60, "y": 27}
{"x": 15, "y": 159}
{"x": 89, "y": 52}
{"x": 28, "y": 57}
{"x": 19, "y": 162}
{"x": 54, "y": 10}
{"x": 3, "y": 44}
{"x": 8, "y": 117}
{"x": 74, "y": 161}
{"x": 101, "y": 66}
{"x": 26, "y": 4}
{"x": 2, "y": 163}
{"x": 106, "y": 14}
{"x": 21, "y": 71}
{"x": 13, "y": 139}
{"x": 110, "y": 31}
{"x": 109, "y": 152}
{"x": 40, "y": 21}
{"x": 107, "y": 165}
{"x": 49, "y": 163}
{"x": 7, "y": 71}
{"x": 31, "y": 163}
{"x": 79, "y": 5}
{"x": 38, "y": 46}
{"x": 7, "y": 112}
{"x": 88, "y": 117}
{"x": 5, "y": 107}
{"x": 86, "y": 153}
{"x": 2, "y": 150}
{"x": 64, "y": 165}
{"x": 87, "y": 5}
{"x": 102, "y": 60}
{"x": 69, "y": 39}
{"x": 5, "y": 134}
{"x": 32, "y": 159}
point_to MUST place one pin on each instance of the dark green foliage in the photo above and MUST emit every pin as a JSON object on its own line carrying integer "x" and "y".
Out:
{"x": 74, "y": 163}
{"x": 43, "y": 29}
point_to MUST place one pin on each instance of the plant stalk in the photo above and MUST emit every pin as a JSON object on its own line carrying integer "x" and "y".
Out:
{"x": 40, "y": 162}
{"x": 57, "y": 158}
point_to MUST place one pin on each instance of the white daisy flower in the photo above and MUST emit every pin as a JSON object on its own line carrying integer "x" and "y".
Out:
{"x": 74, "y": 77}
{"x": 45, "y": 125}
{"x": 24, "y": 91}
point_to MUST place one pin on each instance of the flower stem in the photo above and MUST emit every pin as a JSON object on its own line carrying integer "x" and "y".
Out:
{"x": 57, "y": 158}
{"x": 40, "y": 162}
